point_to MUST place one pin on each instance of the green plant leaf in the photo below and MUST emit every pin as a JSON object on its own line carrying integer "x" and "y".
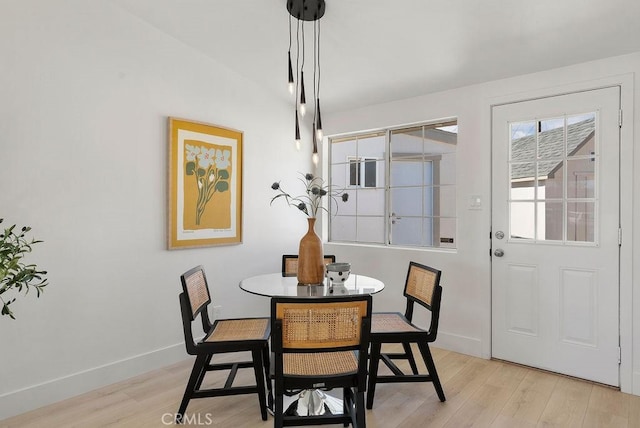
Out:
{"x": 223, "y": 174}
{"x": 16, "y": 276}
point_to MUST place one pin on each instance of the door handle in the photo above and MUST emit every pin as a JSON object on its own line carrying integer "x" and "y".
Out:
{"x": 498, "y": 252}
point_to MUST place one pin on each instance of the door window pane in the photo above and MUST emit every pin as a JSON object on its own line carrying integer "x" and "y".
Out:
{"x": 523, "y": 141}
{"x": 581, "y": 135}
{"x": 523, "y": 219}
{"x": 551, "y": 139}
{"x": 550, "y": 215}
{"x": 580, "y": 178}
{"x": 553, "y": 194}
{"x": 581, "y": 221}
{"x": 550, "y": 179}
{"x": 522, "y": 180}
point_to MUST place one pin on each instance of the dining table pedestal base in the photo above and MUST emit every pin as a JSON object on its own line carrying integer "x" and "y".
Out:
{"x": 313, "y": 402}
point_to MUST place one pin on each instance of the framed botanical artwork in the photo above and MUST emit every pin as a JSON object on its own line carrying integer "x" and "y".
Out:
{"x": 205, "y": 185}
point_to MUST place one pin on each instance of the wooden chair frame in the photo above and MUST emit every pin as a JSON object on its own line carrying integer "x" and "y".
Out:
{"x": 290, "y": 263}
{"x": 298, "y": 351}
{"x": 221, "y": 338}
{"x": 408, "y": 333}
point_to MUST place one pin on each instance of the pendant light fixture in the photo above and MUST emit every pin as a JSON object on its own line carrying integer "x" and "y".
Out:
{"x": 310, "y": 11}
{"x": 290, "y": 66}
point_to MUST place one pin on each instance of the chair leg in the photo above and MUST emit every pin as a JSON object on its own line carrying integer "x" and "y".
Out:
{"x": 431, "y": 367}
{"x": 203, "y": 372}
{"x": 267, "y": 365}
{"x": 409, "y": 353}
{"x": 197, "y": 373}
{"x": 373, "y": 372}
{"x": 259, "y": 372}
{"x": 350, "y": 405}
{"x": 278, "y": 412}
{"x": 361, "y": 420}
{"x": 346, "y": 410}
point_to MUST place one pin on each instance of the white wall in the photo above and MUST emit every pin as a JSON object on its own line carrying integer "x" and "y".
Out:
{"x": 465, "y": 318}
{"x": 85, "y": 92}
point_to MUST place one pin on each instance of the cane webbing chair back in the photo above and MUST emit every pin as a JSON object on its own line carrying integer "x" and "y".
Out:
{"x": 333, "y": 324}
{"x": 421, "y": 283}
{"x": 196, "y": 290}
{"x": 290, "y": 263}
{"x": 422, "y": 286}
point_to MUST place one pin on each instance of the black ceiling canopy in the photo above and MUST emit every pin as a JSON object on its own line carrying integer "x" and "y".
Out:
{"x": 306, "y": 10}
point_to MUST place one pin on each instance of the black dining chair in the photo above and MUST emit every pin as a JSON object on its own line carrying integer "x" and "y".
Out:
{"x": 321, "y": 343}
{"x": 290, "y": 263}
{"x": 422, "y": 286}
{"x": 221, "y": 336}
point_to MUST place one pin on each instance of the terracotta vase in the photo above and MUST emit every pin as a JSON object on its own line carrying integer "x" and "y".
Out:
{"x": 310, "y": 257}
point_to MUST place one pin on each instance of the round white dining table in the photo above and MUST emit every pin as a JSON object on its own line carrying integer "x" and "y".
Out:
{"x": 274, "y": 284}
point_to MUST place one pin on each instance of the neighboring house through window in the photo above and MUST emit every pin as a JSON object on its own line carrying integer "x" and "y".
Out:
{"x": 402, "y": 186}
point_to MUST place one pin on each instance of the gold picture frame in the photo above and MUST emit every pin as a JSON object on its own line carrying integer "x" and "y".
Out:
{"x": 205, "y": 185}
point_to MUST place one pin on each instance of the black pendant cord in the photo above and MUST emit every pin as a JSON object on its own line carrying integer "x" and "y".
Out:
{"x": 317, "y": 41}
{"x": 317, "y": 96}
{"x": 316, "y": 89}
{"x": 297, "y": 59}
{"x": 289, "y": 54}
{"x": 297, "y": 130}
{"x": 315, "y": 67}
{"x": 303, "y": 97}
{"x": 289, "y": 34}
{"x": 315, "y": 93}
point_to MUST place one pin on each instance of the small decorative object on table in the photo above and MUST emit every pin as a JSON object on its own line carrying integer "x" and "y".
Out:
{"x": 310, "y": 257}
{"x": 338, "y": 272}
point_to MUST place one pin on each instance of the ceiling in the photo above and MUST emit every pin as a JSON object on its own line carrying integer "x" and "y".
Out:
{"x": 374, "y": 51}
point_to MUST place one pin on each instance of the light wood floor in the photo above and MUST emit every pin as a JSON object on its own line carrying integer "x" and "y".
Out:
{"x": 480, "y": 393}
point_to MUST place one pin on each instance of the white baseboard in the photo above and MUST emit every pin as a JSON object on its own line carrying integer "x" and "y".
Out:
{"x": 30, "y": 398}
{"x": 457, "y": 343}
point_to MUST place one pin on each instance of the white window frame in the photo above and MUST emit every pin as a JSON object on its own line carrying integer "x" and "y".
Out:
{"x": 383, "y": 182}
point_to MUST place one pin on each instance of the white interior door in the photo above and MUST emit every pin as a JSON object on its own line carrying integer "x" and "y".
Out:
{"x": 555, "y": 225}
